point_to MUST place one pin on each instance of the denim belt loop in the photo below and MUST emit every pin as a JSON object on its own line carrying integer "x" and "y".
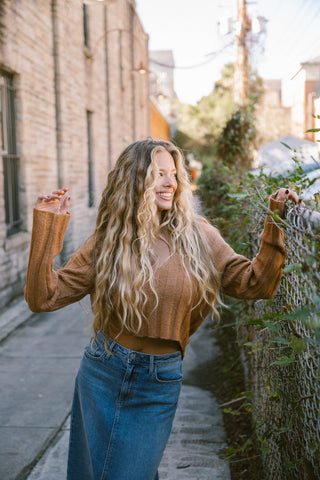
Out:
{"x": 111, "y": 344}
{"x": 151, "y": 367}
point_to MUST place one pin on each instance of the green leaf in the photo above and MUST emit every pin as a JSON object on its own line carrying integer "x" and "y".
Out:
{"x": 298, "y": 314}
{"x": 273, "y": 327}
{"x": 285, "y": 145}
{"x": 265, "y": 449}
{"x": 284, "y": 361}
{"x": 284, "y": 430}
{"x": 282, "y": 341}
{"x": 254, "y": 321}
{"x": 233, "y": 412}
{"x": 238, "y": 196}
{"x": 293, "y": 266}
{"x": 275, "y": 216}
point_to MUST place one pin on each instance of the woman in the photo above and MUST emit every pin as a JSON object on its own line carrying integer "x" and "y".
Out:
{"x": 154, "y": 270}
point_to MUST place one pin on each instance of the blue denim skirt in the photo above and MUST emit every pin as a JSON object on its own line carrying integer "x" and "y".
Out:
{"x": 122, "y": 413}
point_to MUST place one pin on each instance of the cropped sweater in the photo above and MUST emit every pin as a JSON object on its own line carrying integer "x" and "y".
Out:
{"x": 178, "y": 313}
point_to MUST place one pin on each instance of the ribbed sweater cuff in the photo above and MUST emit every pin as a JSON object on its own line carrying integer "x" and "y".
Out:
{"x": 50, "y": 224}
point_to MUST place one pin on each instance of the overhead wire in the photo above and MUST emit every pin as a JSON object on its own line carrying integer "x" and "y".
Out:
{"x": 197, "y": 65}
{"x": 298, "y": 26}
{"x": 295, "y": 20}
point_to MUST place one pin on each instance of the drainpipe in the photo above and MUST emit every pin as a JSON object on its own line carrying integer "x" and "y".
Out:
{"x": 67, "y": 245}
{"x": 57, "y": 90}
{"x": 109, "y": 147}
{"x": 133, "y": 93}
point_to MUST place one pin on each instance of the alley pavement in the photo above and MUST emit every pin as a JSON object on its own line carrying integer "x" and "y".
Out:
{"x": 39, "y": 357}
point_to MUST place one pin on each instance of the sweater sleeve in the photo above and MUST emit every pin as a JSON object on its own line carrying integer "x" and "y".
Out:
{"x": 47, "y": 289}
{"x": 252, "y": 279}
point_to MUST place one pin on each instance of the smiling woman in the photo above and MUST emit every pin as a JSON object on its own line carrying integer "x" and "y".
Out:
{"x": 154, "y": 270}
{"x": 167, "y": 180}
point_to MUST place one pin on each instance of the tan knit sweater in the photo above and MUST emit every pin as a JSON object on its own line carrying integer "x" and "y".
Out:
{"x": 177, "y": 315}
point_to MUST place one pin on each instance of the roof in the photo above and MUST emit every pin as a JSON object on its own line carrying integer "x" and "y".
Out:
{"x": 275, "y": 157}
{"x": 314, "y": 61}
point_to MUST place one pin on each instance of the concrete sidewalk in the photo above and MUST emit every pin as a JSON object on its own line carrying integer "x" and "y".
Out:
{"x": 39, "y": 361}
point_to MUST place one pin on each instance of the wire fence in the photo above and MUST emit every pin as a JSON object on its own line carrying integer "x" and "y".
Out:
{"x": 282, "y": 355}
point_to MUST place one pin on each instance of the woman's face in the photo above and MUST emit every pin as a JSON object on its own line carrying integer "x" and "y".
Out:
{"x": 167, "y": 180}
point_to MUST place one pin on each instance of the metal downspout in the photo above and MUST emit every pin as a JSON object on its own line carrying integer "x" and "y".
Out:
{"x": 68, "y": 243}
{"x": 133, "y": 92}
{"x": 57, "y": 91}
{"x": 108, "y": 123}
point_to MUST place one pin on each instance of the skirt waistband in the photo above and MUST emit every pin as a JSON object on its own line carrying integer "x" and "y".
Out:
{"x": 132, "y": 356}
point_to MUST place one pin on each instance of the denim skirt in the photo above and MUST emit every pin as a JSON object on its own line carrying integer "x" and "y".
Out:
{"x": 122, "y": 413}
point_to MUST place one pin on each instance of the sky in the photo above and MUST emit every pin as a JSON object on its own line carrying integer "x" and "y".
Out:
{"x": 190, "y": 28}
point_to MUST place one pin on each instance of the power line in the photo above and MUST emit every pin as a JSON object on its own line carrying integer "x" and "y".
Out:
{"x": 296, "y": 22}
{"x": 188, "y": 67}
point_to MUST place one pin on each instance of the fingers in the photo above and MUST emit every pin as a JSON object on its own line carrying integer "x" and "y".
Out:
{"x": 280, "y": 195}
{"x": 55, "y": 202}
{"x": 65, "y": 205}
{"x": 292, "y": 196}
{"x": 60, "y": 192}
{"x": 55, "y": 195}
{"x": 286, "y": 194}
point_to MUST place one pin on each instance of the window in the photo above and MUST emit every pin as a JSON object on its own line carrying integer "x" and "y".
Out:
{"x": 9, "y": 154}
{"x": 90, "y": 161}
{"x": 86, "y": 26}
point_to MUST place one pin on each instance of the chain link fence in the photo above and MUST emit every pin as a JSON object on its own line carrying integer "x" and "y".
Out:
{"x": 282, "y": 356}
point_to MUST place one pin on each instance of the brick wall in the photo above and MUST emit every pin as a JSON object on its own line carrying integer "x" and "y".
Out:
{"x": 57, "y": 81}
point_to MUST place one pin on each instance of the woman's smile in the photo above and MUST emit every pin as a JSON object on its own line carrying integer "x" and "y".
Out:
{"x": 167, "y": 180}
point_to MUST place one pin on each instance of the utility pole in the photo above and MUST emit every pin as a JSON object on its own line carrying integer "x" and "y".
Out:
{"x": 241, "y": 73}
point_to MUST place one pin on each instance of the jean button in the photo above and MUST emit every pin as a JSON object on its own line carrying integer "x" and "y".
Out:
{"x": 132, "y": 356}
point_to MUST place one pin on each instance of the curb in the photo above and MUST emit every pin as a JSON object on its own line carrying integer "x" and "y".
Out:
{"x": 13, "y": 317}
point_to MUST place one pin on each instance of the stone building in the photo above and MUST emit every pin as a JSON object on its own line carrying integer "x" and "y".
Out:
{"x": 162, "y": 93}
{"x": 160, "y": 127}
{"x": 73, "y": 94}
{"x": 273, "y": 119}
{"x": 306, "y": 88}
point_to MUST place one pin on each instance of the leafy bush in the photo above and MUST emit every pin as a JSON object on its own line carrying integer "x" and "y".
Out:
{"x": 236, "y": 142}
{"x": 231, "y": 198}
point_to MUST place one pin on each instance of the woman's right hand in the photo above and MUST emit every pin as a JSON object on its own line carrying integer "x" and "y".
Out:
{"x": 57, "y": 202}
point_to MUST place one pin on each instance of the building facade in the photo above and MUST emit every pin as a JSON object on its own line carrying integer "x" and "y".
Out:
{"x": 160, "y": 127}
{"x": 73, "y": 94}
{"x": 162, "y": 93}
{"x": 306, "y": 89}
{"x": 273, "y": 119}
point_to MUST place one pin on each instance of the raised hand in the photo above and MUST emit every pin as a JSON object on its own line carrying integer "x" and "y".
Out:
{"x": 58, "y": 202}
{"x": 286, "y": 194}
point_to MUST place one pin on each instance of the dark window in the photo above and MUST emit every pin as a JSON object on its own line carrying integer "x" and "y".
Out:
{"x": 9, "y": 154}
{"x": 90, "y": 161}
{"x": 86, "y": 25}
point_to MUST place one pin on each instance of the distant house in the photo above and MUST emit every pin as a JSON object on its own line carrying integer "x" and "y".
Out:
{"x": 317, "y": 118}
{"x": 160, "y": 127}
{"x": 273, "y": 119}
{"x": 306, "y": 89}
{"x": 162, "y": 93}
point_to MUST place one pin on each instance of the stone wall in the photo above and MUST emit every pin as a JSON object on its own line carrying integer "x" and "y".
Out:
{"x": 59, "y": 81}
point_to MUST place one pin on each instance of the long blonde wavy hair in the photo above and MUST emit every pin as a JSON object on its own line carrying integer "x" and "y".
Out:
{"x": 127, "y": 227}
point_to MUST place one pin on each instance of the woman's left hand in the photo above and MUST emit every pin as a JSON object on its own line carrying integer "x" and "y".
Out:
{"x": 285, "y": 194}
